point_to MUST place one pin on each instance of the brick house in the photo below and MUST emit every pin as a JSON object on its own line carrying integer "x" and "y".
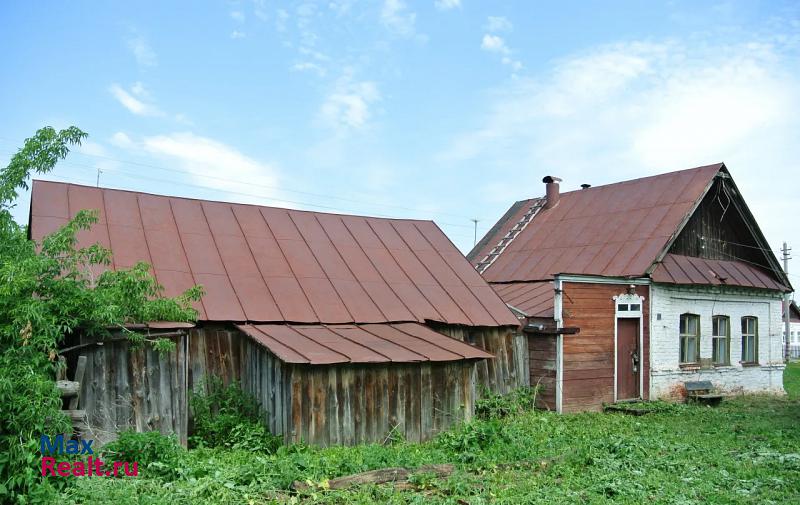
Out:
{"x": 630, "y": 289}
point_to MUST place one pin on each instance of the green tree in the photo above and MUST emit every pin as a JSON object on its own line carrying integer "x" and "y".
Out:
{"x": 47, "y": 291}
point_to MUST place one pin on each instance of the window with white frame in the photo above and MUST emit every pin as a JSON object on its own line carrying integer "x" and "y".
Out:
{"x": 721, "y": 340}
{"x": 689, "y": 339}
{"x": 749, "y": 340}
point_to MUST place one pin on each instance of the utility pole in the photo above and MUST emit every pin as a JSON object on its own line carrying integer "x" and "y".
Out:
{"x": 786, "y": 304}
{"x": 475, "y": 220}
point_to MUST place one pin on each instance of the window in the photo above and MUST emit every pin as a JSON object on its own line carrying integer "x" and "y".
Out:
{"x": 720, "y": 340}
{"x": 749, "y": 340}
{"x": 690, "y": 338}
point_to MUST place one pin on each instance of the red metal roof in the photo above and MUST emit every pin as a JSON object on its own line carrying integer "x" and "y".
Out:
{"x": 678, "y": 269}
{"x": 265, "y": 264}
{"x": 535, "y": 299}
{"x": 616, "y": 230}
{"x": 366, "y": 343}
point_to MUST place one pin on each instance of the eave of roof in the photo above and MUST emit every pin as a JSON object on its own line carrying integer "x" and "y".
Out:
{"x": 366, "y": 343}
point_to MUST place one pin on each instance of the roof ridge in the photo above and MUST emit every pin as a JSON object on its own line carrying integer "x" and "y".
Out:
{"x": 105, "y": 188}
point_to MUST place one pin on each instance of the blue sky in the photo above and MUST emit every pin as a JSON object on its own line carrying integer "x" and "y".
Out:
{"x": 443, "y": 110}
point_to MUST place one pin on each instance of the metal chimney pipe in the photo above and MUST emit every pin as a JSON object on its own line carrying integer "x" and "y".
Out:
{"x": 552, "y": 193}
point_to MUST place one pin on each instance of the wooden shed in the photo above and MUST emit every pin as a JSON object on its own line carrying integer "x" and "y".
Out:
{"x": 346, "y": 328}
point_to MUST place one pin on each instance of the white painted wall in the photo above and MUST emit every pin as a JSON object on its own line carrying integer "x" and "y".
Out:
{"x": 668, "y": 302}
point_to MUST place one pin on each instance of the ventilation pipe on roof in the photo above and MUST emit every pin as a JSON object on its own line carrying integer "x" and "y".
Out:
{"x": 551, "y": 191}
{"x": 586, "y": 186}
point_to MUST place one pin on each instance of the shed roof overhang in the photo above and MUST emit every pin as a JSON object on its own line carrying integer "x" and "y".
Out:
{"x": 327, "y": 344}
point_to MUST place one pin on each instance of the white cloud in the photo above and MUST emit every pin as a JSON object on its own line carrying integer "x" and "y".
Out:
{"x": 347, "y": 107}
{"x": 494, "y": 43}
{"x": 260, "y": 9}
{"x": 135, "y": 104}
{"x": 396, "y": 17}
{"x": 633, "y": 109}
{"x": 206, "y": 160}
{"x": 237, "y": 34}
{"x": 144, "y": 54}
{"x": 307, "y": 66}
{"x": 237, "y": 16}
{"x": 446, "y": 5}
{"x": 121, "y": 140}
{"x": 498, "y": 24}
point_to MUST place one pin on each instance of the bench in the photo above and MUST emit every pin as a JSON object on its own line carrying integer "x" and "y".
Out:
{"x": 701, "y": 392}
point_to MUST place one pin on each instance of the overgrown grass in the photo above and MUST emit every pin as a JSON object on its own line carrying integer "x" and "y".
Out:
{"x": 745, "y": 451}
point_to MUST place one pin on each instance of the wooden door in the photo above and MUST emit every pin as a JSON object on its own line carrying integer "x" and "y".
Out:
{"x": 628, "y": 359}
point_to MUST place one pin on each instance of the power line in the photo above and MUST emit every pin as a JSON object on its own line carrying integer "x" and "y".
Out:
{"x": 264, "y": 186}
{"x": 137, "y": 176}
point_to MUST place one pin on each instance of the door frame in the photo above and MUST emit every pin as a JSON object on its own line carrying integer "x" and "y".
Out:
{"x": 623, "y": 300}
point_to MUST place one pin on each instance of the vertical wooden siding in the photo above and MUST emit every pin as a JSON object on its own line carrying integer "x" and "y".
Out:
{"x": 355, "y": 404}
{"x": 509, "y": 369}
{"x": 135, "y": 388}
{"x": 325, "y": 405}
{"x": 269, "y": 380}
{"x": 543, "y": 350}
{"x": 588, "y": 375}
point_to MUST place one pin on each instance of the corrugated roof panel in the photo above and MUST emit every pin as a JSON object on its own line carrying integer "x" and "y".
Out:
{"x": 189, "y": 217}
{"x": 364, "y": 336}
{"x": 82, "y": 197}
{"x": 264, "y": 264}
{"x": 175, "y": 283}
{"x": 294, "y": 337}
{"x": 430, "y": 344}
{"x": 354, "y": 352}
{"x": 57, "y": 203}
{"x": 387, "y": 234}
{"x": 601, "y": 221}
{"x": 678, "y": 269}
{"x": 357, "y": 301}
{"x": 128, "y": 245}
{"x": 390, "y": 303}
{"x": 122, "y": 208}
{"x": 325, "y": 300}
{"x": 301, "y": 259}
{"x": 368, "y": 343}
{"x": 534, "y": 298}
{"x": 269, "y": 257}
{"x": 202, "y": 256}
{"x": 166, "y": 251}
{"x": 291, "y": 299}
{"x": 283, "y": 352}
{"x": 156, "y": 213}
{"x": 220, "y": 301}
{"x": 251, "y": 222}
{"x": 255, "y": 298}
{"x": 280, "y": 223}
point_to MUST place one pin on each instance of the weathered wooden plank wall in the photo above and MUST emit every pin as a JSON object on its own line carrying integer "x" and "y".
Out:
{"x": 543, "y": 350}
{"x": 509, "y": 369}
{"x": 134, "y": 388}
{"x": 266, "y": 378}
{"x": 354, "y": 404}
{"x": 588, "y": 376}
{"x": 325, "y": 405}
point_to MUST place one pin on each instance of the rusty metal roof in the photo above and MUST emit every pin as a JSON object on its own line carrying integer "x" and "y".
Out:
{"x": 679, "y": 269}
{"x": 320, "y": 344}
{"x": 614, "y": 230}
{"x": 266, "y": 264}
{"x": 535, "y": 299}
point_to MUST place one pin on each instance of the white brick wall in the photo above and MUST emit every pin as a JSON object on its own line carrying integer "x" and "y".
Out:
{"x": 671, "y": 301}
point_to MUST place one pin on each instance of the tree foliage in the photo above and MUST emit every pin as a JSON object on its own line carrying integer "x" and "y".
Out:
{"x": 48, "y": 291}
